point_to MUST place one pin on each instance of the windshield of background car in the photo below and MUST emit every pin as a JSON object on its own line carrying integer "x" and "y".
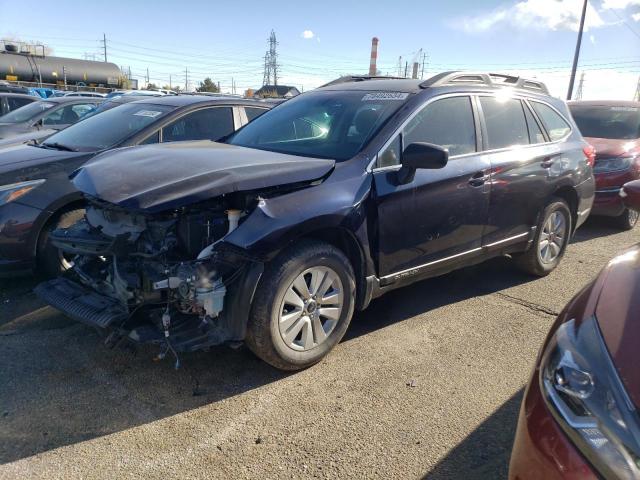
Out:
{"x": 109, "y": 128}
{"x": 614, "y": 122}
{"x": 27, "y": 112}
{"x": 329, "y": 124}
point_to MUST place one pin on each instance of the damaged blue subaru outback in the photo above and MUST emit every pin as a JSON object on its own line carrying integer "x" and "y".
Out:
{"x": 277, "y": 235}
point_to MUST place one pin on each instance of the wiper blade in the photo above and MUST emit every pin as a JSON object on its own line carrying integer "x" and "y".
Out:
{"x": 59, "y": 146}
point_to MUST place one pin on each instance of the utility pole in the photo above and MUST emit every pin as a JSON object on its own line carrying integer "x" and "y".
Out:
{"x": 576, "y": 55}
{"x": 186, "y": 79}
{"x": 406, "y": 68}
{"x": 636, "y": 97}
{"x": 64, "y": 75}
{"x": 400, "y": 66}
{"x": 147, "y": 77}
{"x": 424, "y": 60}
{"x": 170, "y": 86}
{"x": 104, "y": 45}
{"x": 580, "y": 87}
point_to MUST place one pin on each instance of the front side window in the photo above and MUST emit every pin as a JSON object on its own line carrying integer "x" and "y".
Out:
{"x": 110, "y": 128}
{"x": 505, "y": 122}
{"x": 447, "y": 123}
{"x": 605, "y": 121}
{"x": 205, "y": 124}
{"x": 26, "y": 113}
{"x": 323, "y": 124}
{"x": 556, "y": 126}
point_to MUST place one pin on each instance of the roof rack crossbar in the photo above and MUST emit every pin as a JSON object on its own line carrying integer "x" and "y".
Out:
{"x": 486, "y": 79}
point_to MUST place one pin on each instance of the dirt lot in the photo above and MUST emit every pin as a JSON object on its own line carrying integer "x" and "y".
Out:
{"x": 427, "y": 383}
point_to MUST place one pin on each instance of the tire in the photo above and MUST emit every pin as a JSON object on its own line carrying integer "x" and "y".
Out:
{"x": 537, "y": 260}
{"x": 627, "y": 220}
{"x": 288, "y": 332}
{"x": 51, "y": 262}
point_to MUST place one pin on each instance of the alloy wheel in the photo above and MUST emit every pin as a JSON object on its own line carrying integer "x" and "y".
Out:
{"x": 552, "y": 237}
{"x": 311, "y": 308}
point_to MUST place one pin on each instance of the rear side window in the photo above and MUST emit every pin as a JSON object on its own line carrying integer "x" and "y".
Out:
{"x": 535, "y": 134}
{"x": 505, "y": 122}
{"x": 17, "y": 102}
{"x": 254, "y": 112}
{"x": 206, "y": 124}
{"x": 447, "y": 123}
{"x": 556, "y": 126}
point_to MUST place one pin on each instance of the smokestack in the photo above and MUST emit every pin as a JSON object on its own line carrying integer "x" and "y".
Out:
{"x": 373, "y": 68}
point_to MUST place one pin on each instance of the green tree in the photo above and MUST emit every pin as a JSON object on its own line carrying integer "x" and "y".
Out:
{"x": 207, "y": 85}
{"x": 152, "y": 86}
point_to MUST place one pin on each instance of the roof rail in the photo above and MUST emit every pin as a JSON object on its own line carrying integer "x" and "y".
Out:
{"x": 360, "y": 78}
{"x": 485, "y": 79}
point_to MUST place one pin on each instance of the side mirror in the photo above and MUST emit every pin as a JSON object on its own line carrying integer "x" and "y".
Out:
{"x": 630, "y": 194}
{"x": 421, "y": 155}
{"x": 39, "y": 124}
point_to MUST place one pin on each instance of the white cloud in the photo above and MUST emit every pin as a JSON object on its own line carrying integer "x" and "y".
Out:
{"x": 636, "y": 17}
{"x": 619, "y": 4}
{"x": 540, "y": 14}
{"x": 592, "y": 39}
{"x": 308, "y": 34}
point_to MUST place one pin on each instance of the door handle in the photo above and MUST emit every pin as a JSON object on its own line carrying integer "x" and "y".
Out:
{"x": 479, "y": 179}
{"x": 547, "y": 162}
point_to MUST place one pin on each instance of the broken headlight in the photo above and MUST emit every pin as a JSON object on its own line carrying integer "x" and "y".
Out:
{"x": 13, "y": 191}
{"x": 585, "y": 393}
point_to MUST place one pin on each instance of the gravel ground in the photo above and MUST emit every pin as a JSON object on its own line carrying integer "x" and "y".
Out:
{"x": 427, "y": 384}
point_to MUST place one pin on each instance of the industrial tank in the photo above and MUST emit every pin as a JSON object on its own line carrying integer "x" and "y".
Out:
{"x": 35, "y": 68}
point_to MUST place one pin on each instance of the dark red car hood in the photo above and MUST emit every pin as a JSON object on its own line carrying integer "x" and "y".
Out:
{"x": 607, "y": 147}
{"x": 618, "y": 314}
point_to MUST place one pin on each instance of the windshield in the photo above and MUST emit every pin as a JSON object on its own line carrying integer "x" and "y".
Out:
{"x": 324, "y": 124}
{"x": 26, "y": 113}
{"x": 109, "y": 128}
{"x": 614, "y": 122}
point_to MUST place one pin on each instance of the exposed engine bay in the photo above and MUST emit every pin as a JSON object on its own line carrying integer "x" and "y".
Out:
{"x": 159, "y": 276}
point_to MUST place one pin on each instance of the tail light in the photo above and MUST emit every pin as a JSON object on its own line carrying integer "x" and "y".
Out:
{"x": 590, "y": 153}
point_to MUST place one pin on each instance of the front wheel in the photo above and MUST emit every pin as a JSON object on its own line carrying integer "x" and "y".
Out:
{"x": 303, "y": 306}
{"x": 51, "y": 261}
{"x": 550, "y": 242}
{"x": 627, "y": 220}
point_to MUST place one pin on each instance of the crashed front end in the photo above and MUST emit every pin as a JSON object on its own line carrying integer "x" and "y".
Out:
{"x": 164, "y": 278}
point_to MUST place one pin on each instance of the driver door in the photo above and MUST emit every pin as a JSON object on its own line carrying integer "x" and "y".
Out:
{"x": 440, "y": 215}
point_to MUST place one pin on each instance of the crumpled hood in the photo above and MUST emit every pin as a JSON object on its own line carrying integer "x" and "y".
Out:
{"x": 154, "y": 178}
{"x": 25, "y": 156}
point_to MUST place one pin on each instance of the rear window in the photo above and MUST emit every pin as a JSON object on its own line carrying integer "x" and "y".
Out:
{"x": 614, "y": 122}
{"x": 556, "y": 126}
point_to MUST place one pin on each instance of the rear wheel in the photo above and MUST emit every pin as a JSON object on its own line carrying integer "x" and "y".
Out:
{"x": 303, "y": 306}
{"x": 550, "y": 242}
{"x": 51, "y": 261}
{"x": 627, "y": 220}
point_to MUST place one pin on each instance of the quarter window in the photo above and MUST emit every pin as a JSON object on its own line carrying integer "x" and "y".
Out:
{"x": 253, "y": 112}
{"x": 505, "y": 122}
{"x": 447, "y": 123}
{"x": 391, "y": 155}
{"x": 17, "y": 102}
{"x": 204, "y": 124}
{"x": 556, "y": 126}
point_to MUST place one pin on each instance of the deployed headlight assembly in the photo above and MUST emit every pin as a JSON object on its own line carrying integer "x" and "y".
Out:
{"x": 13, "y": 191}
{"x": 616, "y": 164}
{"x": 585, "y": 394}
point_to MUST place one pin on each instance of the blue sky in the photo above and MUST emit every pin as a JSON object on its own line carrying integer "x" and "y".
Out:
{"x": 225, "y": 41}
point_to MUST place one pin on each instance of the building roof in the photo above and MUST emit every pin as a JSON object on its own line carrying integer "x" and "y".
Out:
{"x": 280, "y": 90}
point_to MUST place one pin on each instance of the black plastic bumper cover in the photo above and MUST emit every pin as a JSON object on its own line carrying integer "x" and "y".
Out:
{"x": 80, "y": 303}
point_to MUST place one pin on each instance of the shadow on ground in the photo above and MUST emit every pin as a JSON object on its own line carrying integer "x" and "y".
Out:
{"x": 61, "y": 386}
{"x": 486, "y": 450}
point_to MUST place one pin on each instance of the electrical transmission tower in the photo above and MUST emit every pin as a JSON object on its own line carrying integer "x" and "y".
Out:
{"x": 636, "y": 97}
{"x": 580, "y": 87}
{"x": 270, "y": 76}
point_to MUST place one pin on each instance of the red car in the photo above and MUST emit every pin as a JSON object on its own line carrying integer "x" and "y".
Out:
{"x": 613, "y": 128}
{"x": 580, "y": 414}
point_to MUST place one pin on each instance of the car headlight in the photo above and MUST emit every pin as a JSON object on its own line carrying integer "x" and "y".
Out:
{"x": 617, "y": 164}
{"x": 585, "y": 394}
{"x": 13, "y": 191}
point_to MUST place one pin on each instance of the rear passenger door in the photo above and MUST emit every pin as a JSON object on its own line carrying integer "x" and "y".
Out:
{"x": 203, "y": 124}
{"x": 438, "y": 218}
{"x": 516, "y": 146}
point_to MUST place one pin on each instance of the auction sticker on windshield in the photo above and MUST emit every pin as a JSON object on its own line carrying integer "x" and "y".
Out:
{"x": 385, "y": 96}
{"x": 148, "y": 113}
